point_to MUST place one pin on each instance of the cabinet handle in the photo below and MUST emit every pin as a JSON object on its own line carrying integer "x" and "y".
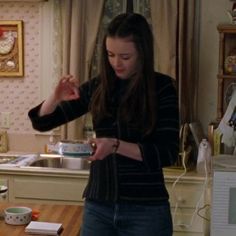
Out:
{"x": 181, "y": 200}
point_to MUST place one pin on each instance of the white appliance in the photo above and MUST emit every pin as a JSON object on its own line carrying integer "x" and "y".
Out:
{"x": 223, "y": 212}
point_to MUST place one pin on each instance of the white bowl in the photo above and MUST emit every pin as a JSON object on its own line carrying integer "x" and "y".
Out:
{"x": 18, "y": 215}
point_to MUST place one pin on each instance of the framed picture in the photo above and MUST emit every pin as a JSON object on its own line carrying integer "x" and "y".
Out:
{"x": 11, "y": 49}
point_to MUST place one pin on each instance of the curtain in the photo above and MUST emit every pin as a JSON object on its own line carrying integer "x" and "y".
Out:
{"x": 79, "y": 30}
{"x": 174, "y": 28}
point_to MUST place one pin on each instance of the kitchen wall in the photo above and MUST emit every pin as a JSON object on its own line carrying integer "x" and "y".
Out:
{"x": 18, "y": 95}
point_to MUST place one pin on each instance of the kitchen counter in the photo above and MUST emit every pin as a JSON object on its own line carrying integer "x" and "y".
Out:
{"x": 24, "y": 165}
{"x": 69, "y": 215}
{"x": 36, "y": 184}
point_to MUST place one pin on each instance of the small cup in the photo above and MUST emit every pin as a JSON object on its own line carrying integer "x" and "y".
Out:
{"x": 18, "y": 215}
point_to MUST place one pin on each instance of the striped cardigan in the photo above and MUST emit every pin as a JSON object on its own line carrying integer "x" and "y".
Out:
{"x": 118, "y": 178}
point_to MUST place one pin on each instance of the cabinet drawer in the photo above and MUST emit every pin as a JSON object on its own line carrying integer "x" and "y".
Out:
{"x": 187, "y": 194}
{"x": 183, "y": 222}
{"x": 49, "y": 189}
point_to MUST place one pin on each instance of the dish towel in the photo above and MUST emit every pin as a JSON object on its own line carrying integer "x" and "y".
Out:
{"x": 228, "y": 131}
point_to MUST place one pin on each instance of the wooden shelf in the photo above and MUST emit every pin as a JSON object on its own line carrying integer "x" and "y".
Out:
{"x": 226, "y": 28}
{"x": 225, "y": 76}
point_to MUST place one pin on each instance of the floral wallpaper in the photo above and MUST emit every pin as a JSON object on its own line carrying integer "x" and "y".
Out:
{"x": 18, "y": 95}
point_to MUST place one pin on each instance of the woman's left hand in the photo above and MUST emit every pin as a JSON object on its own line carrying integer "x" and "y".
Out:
{"x": 102, "y": 146}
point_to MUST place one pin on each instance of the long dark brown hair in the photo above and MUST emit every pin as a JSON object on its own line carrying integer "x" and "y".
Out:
{"x": 138, "y": 107}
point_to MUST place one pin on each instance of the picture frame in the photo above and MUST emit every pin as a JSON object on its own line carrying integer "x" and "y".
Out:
{"x": 11, "y": 49}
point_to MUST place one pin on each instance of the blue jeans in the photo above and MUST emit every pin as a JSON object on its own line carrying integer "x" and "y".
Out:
{"x": 101, "y": 219}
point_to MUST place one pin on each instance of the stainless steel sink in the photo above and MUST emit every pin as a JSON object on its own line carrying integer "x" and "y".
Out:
{"x": 45, "y": 161}
{"x": 48, "y": 162}
{"x": 56, "y": 161}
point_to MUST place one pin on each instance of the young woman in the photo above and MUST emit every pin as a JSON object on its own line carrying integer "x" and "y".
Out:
{"x": 135, "y": 117}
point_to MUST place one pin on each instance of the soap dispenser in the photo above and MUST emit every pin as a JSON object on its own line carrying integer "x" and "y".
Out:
{"x": 50, "y": 146}
{"x": 204, "y": 161}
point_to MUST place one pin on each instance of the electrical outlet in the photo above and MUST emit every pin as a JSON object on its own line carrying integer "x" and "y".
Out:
{"x": 5, "y": 120}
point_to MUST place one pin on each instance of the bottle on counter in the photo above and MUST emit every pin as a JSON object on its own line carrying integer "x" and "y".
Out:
{"x": 204, "y": 159}
{"x": 50, "y": 146}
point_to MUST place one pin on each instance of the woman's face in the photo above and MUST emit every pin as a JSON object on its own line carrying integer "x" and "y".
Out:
{"x": 122, "y": 56}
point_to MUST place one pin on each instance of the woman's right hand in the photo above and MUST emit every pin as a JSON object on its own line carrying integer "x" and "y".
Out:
{"x": 66, "y": 89}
